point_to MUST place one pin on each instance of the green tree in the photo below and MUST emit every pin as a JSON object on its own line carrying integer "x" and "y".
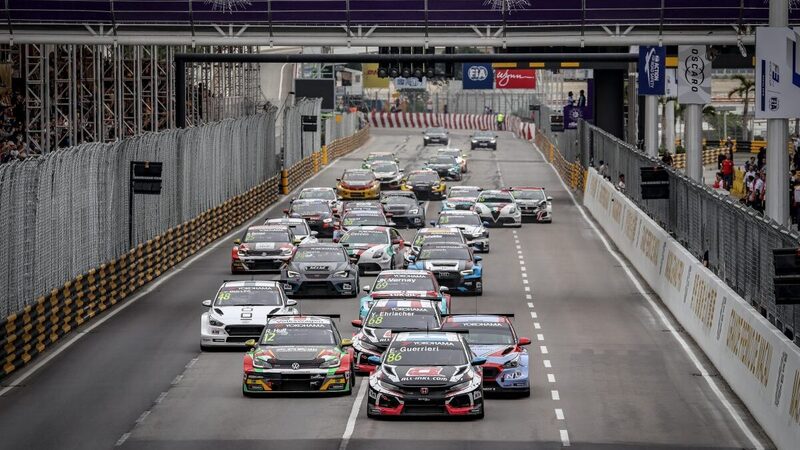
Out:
{"x": 745, "y": 88}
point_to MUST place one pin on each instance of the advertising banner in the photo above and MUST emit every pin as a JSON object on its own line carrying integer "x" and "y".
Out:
{"x": 572, "y": 114}
{"x": 371, "y": 78}
{"x": 410, "y": 83}
{"x": 515, "y": 79}
{"x": 694, "y": 75}
{"x": 651, "y": 70}
{"x": 477, "y": 76}
{"x": 777, "y": 73}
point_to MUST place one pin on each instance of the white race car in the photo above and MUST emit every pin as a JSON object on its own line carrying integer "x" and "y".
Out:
{"x": 299, "y": 228}
{"x": 498, "y": 208}
{"x": 320, "y": 193}
{"x": 374, "y": 248}
{"x": 470, "y": 224}
{"x": 239, "y": 312}
{"x": 534, "y": 203}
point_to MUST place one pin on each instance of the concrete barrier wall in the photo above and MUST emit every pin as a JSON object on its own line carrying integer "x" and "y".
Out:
{"x": 428, "y": 120}
{"x": 758, "y": 362}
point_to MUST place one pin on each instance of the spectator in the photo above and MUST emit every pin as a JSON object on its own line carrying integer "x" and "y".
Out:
{"x": 762, "y": 156}
{"x": 602, "y": 170}
{"x": 621, "y": 183}
{"x": 796, "y": 157}
{"x": 720, "y": 158}
{"x": 727, "y": 173}
{"x": 749, "y": 179}
{"x": 500, "y": 119}
{"x": 717, "y": 181}
{"x": 729, "y": 145}
{"x": 667, "y": 158}
{"x": 750, "y": 164}
{"x": 758, "y": 194}
{"x": 570, "y": 99}
{"x": 581, "y": 99}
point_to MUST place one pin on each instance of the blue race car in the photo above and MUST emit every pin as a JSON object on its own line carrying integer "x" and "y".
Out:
{"x": 406, "y": 284}
{"x": 492, "y": 336}
{"x": 453, "y": 265}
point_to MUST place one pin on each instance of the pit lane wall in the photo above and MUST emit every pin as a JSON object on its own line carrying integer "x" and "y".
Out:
{"x": 758, "y": 362}
{"x": 429, "y": 120}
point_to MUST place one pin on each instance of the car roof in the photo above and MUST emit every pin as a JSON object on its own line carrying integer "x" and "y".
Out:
{"x": 438, "y": 231}
{"x": 364, "y": 212}
{"x": 495, "y": 191}
{"x": 445, "y": 245}
{"x": 423, "y": 171}
{"x": 301, "y": 201}
{"x": 477, "y": 318}
{"x": 318, "y": 189}
{"x": 364, "y": 171}
{"x": 368, "y": 228}
{"x": 525, "y": 188}
{"x": 321, "y": 245}
{"x": 405, "y": 272}
{"x": 404, "y": 303}
{"x": 457, "y": 212}
{"x": 380, "y": 154}
{"x": 286, "y": 220}
{"x": 271, "y": 227}
{"x": 250, "y": 283}
{"x": 465, "y": 187}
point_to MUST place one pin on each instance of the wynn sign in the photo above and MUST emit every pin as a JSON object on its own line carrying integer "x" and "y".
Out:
{"x": 515, "y": 79}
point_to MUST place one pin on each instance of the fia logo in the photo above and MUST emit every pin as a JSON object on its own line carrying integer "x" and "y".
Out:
{"x": 477, "y": 73}
{"x": 774, "y": 74}
{"x": 774, "y": 104}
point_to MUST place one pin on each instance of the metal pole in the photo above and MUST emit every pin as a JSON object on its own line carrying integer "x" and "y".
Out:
{"x": 694, "y": 142}
{"x": 180, "y": 93}
{"x": 130, "y": 207}
{"x": 651, "y": 125}
{"x": 633, "y": 105}
{"x": 669, "y": 140}
{"x": 724, "y": 124}
{"x": 777, "y": 194}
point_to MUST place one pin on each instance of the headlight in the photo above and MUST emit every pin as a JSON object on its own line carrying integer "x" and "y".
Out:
{"x": 449, "y": 204}
{"x": 378, "y": 254}
{"x": 460, "y": 386}
{"x": 261, "y": 363}
{"x": 214, "y": 322}
{"x": 328, "y": 220}
{"x": 512, "y": 210}
{"x": 341, "y": 274}
{"x": 292, "y": 274}
{"x": 286, "y": 251}
{"x": 454, "y": 169}
{"x": 511, "y": 363}
{"x": 474, "y": 141}
{"x": 466, "y": 272}
{"x": 365, "y": 347}
{"x": 492, "y": 141}
{"x": 413, "y": 211}
{"x": 330, "y": 363}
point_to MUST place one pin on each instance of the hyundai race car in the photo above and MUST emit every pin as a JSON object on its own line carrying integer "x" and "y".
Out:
{"x": 404, "y": 284}
{"x": 319, "y": 193}
{"x": 317, "y": 213}
{"x": 425, "y": 183}
{"x": 374, "y": 157}
{"x": 455, "y": 153}
{"x": 298, "y": 354}
{"x": 435, "y": 136}
{"x": 493, "y": 337}
{"x": 445, "y": 165}
{"x": 374, "y": 249}
{"x": 386, "y": 316}
{"x": 434, "y": 236}
{"x": 483, "y": 139}
{"x": 262, "y": 248}
{"x": 427, "y": 374}
{"x": 358, "y": 184}
{"x": 461, "y": 197}
{"x": 534, "y": 203}
{"x": 239, "y": 311}
{"x": 298, "y": 226}
{"x": 498, "y": 209}
{"x": 320, "y": 270}
{"x": 404, "y": 207}
{"x": 388, "y": 173}
{"x": 470, "y": 224}
{"x": 453, "y": 265}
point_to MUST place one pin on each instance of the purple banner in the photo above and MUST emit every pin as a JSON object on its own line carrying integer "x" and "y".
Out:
{"x": 572, "y": 114}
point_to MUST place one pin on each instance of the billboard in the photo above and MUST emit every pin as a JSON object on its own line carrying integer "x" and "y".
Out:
{"x": 515, "y": 79}
{"x": 477, "y": 76}
{"x": 323, "y": 88}
{"x": 694, "y": 75}
{"x": 777, "y": 73}
{"x": 371, "y": 78}
{"x": 651, "y": 70}
{"x": 572, "y": 114}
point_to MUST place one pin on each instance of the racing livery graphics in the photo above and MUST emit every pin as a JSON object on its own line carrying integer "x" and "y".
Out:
{"x": 404, "y": 284}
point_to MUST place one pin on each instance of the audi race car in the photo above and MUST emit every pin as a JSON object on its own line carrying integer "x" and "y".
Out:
{"x": 362, "y": 218}
{"x": 426, "y": 374}
{"x": 404, "y": 208}
{"x": 317, "y": 213}
{"x": 483, "y": 139}
{"x": 386, "y": 316}
{"x": 298, "y": 227}
{"x": 374, "y": 157}
{"x": 461, "y": 197}
{"x": 534, "y": 203}
{"x": 239, "y": 312}
{"x": 298, "y": 354}
{"x": 417, "y": 284}
{"x": 262, "y": 248}
{"x": 319, "y": 193}
{"x": 358, "y": 184}
{"x": 388, "y": 173}
{"x": 453, "y": 265}
{"x": 446, "y": 166}
{"x": 373, "y": 249}
{"x": 455, "y": 153}
{"x": 425, "y": 184}
{"x": 470, "y": 224}
{"x": 434, "y": 236}
{"x": 435, "y": 136}
{"x": 320, "y": 270}
{"x": 498, "y": 209}
{"x": 493, "y": 337}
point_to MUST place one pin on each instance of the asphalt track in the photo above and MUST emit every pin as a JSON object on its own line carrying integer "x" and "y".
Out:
{"x": 606, "y": 372}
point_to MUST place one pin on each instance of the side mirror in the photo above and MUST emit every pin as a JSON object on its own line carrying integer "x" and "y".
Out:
{"x": 207, "y": 303}
{"x": 250, "y": 343}
{"x": 524, "y": 341}
{"x": 366, "y": 288}
{"x": 290, "y": 302}
{"x": 549, "y": 199}
{"x": 357, "y": 323}
{"x": 443, "y": 289}
{"x": 479, "y": 361}
{"x": 314, "y": 233}
{"x": 237, "y": 241}
{"x": 338, "y": 179}
{"x": 478, "y": 258}
{"x": 374, "y": 360}
{"x": 346, "y": 342}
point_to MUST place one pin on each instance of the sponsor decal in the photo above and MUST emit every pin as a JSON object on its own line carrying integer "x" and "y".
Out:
{"x": 616, "y": 212}
{"x": 424, "y": 371}
{"x": 674, "y": 270}
{"x": 631, "y": 224}
{"x": 781, "y": 374}
{"x": 721, "y": 321}
{"x": 704, "y": 299}
{"x": 515, "y": 79}
{"x": 649, "y": 244}
{"x": 694, "y": 75}
{"x": 794, "y": 401}
{"x": 749, "y": 346}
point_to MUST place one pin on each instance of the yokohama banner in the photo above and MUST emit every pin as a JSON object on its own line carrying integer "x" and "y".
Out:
{"x": 515, "y": 79}
{"x": 427, "y": 120}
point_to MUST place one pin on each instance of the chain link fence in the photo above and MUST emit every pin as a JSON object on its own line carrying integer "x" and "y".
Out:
{"x": 477, "y": 102}
{"x": 67, "y": 212}
{"x": 737, "y": 241}
{"x": 341, "y": 125}
{"x": 298, "y": 144}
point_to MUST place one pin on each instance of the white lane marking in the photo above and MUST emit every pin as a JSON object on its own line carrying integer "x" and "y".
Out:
{"x": 534, "y": 315}
{"x": 519, "y": 247}
{"x": 559, "y": 414}
{"x": 537, "y": 325}
{"x": 524, "y": 281}
{"x": 555, "y": 395}
{"x": 524, "y": 275}
{"x": 519, "y": 252}
{"x": 122, "y": 439}
{"x": 177, "y": 379}
{"x": 551, "y": 378}
{"x": 539, "y": 337}
{"x": 528, "y": 297}
{"x": 161, "y": 398}
{"x": 530, "y": 304}
{"x": 663, "y": 317}
{"x": 522, "y": 268}
{"x": 351, "y": 421}
{"x": 564, "y": 438}
{"x": 527, "y": 289}
{"x": 192, "y": 362}
{"x": 141, "y": 418}
{"x": 543, "y": 349}
{"x": 546, "y": 363}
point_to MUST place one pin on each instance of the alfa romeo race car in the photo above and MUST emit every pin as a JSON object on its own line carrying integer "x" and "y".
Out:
{"x": 426, "y": 374}
{"x": 320, "y": 270}
{"x": 534, "y": 203}
{"x": 404, "y": 284}
{"x": 498, "y": 209}
{"x": 434, "y": 236}
{"x": 373, "y": 249}
{"x": 493, "y": 337}
{"x": 404, "y": 208}
{"x": 239, "y": 311}
{"x": 327, "y": 194}
{"x": 298, "y": 354}
{"x": 445, "y": 165}
{"x": 262, "y": 248}
{"x": 379, "y": 156}
{"x": 455, "y": 153}
{"x": 317, "y": 213}
{"x": 483, "y": 139}
{"x": 453, "y": 265}
{"x": 388, "y": 173}
{"x": 358, "y": 184}
{"x": 435, "y": 136}
{"x": 425, "y": 183}
{"x": 461, "y": 197}
{"x": 298, "y": 226}
{"x": 470, "y": 225}
{"x": 387, "y": 316}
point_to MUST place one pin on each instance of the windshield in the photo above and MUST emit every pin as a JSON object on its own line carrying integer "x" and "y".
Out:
{"x": 456, "y": 192}
{"x": 383, "y": 166}
{"x": 266, "y": 236}
{"x": 484, "y": 333}
{"x": 299, "y": 333}
{"x": 398, "y": 200}
{"x": 442, "y": 159}
{"x": 423, "y": 177}
{"x": 359, "y": 177}
{"x": 437, "y": 353}
{"x": 446, "y": 238}
{"x": 529, "y": 195}
{"x": 458, "y": 253}
{"x": 249, "y": 296}
{"x": 365, "y": 237}
{"x": 496, "y": 197}
{"x": 460, "y": 219}
{"x": 435, "y": 131}
{"x": 311, "y": 208}
{"x": 298, "y": 228}
{"x": 484, "y": 134}
{"x": 450, "y": 152}
{"x": 402, "y": 318}
{"x": 319, "y": 254}
{"x": 380, "y": 157}
{"x": 350, "y": 220}
{"x": 323, "y": 194}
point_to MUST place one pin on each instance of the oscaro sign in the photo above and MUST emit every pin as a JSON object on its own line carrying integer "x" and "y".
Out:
{"x": 695, "y": 68}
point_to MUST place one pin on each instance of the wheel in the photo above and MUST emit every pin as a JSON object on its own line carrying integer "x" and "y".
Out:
{"x": 479, "y": 291}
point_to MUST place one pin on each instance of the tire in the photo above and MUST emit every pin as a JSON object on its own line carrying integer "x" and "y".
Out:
{"x": 479, "y": 292}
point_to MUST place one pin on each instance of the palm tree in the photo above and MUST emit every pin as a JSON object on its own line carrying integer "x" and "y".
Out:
{"x": 745, "y": 88}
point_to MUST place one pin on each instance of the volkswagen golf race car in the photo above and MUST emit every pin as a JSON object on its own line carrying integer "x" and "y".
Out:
{"x": 239, "y": 311}
{"x": 317, "y": 213}
{"x": 320, "y": 270}
{"x": 361, "y": 218}
{"x": 319, "y": 193}
{"x": 493, "y": 337}
{"x": 498, "y": 209}
{"x": 299, "y": 228}
{"x": 298, "y": 354}
{"x": 388, "y": 173}
{"x": 358, "y": 184}
{"x": 404, "y": 207}
{"x": 453, "y": 265}
{"x": 404, "y": 284}
{"x": 387, "y": 316}
{"x": 374, "y": 249}
{"x": 470, "y": 225}
{"x": 262, "y": 248}
{"x": 483, "y": 139}
{"x": 425, "y": 184}
{"x": 426, "y": 374}
{"x": 445, "y": 165}
{"x": 435, "y": 136}
{"x": 534, "y": 203}
{"x": 461, "y": 197}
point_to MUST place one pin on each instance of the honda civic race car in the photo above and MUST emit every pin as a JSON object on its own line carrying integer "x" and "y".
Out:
{"x": 386, "y": 316}
{"x": 320, "y": 270}
{"x": 417, "y": 284}
{"x": 374, "y": 157}
{"x": 470, "y": 224}
{"x": 404, "y": 208}
{"x": 434, "y": 236}
{"x": 358, "y": 184}
{"x": 388, "y": 173}
{"x": 239, "y": 312}
{"x": 425, "y": 184}
{"x": 298, "y": 354}
{"x": 319, "y": 193}
{"x": 493, "y": 337}
{"x": 298, "y": 226}
{"x": 483, "y": 139}
{"x": 498, "y": 209}
{"x": 446, "y": 166}
{"x": 373, "y": 249}
{"x": 317, "y": 213}
{"x": 453, "y": 265}
{"x": 461, "y": 197}
{"x": 361, "y": 218}
{"x": 435, "y": 136}
{"x": 455, "y": 153}
{"x": 534, "y": 203}
{"x": 426, "y": 374}
{"x": 262, "y": 248}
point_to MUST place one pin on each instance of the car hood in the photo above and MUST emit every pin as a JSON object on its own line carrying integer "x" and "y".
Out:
{"x": 442, "y": 166}
{"x": 493, "y": 351}
{"x": 466, "y": 229}
{"x": 286, "y": 354}
{"x": 379, "y": 337}
{"x": 483, "y": 138}
{"x": 460, "y": 200}
{"x": 387, "y": 174}
{"x": 423, "y": 183}
{"x": 319, "y": 267}
{"x": 397, "y": 208}
{"x": 358, "y": 249}
{"x": 428, "y": 375}
{"x": 246, "y": 315}
{"x": 357, "y": 184}
{"x": 446, "y": 264}
{"x": 261, "y": 246}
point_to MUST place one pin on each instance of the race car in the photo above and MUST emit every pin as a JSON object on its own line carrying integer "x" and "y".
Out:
{"x": 373, "y": 249}
{"x": 533, "y": 203}
{"x": 404, "y": 207}
{"x": 483, "y": 139}
{"x": 461, "y": 197}
{"x": 453, "y": 265}
{"x": 498, "y": 209}
{"x": 298, "y": 354}
{"x": 320, "y": 270}
{"x": 493, "y": 337}
{"x": 362, "y": 205}
{"x": 470, "y": 224}
{"x": 425, "y": 184}
{"x": 388, "y": 173}
{"x": 361, "y": 218}
{"x": 446, "y": 166}
{"x": 298, "y": 226}
{"x": 319, "y": 193}
{"x": 374, "y": 157}
{"x": 426, "y": 374}
{"x": 434, "y": 235}
{"x": 317, "y": 213}
{"x": 358, "y": 184}
{"x": 435, "y": 136}
{"x": 239, "y": 311}
{"x": 455, "y": 153}
{"x": 386, "y": 316}
{"x": 404, "y": 284}
{"x": 262, "y": 248}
